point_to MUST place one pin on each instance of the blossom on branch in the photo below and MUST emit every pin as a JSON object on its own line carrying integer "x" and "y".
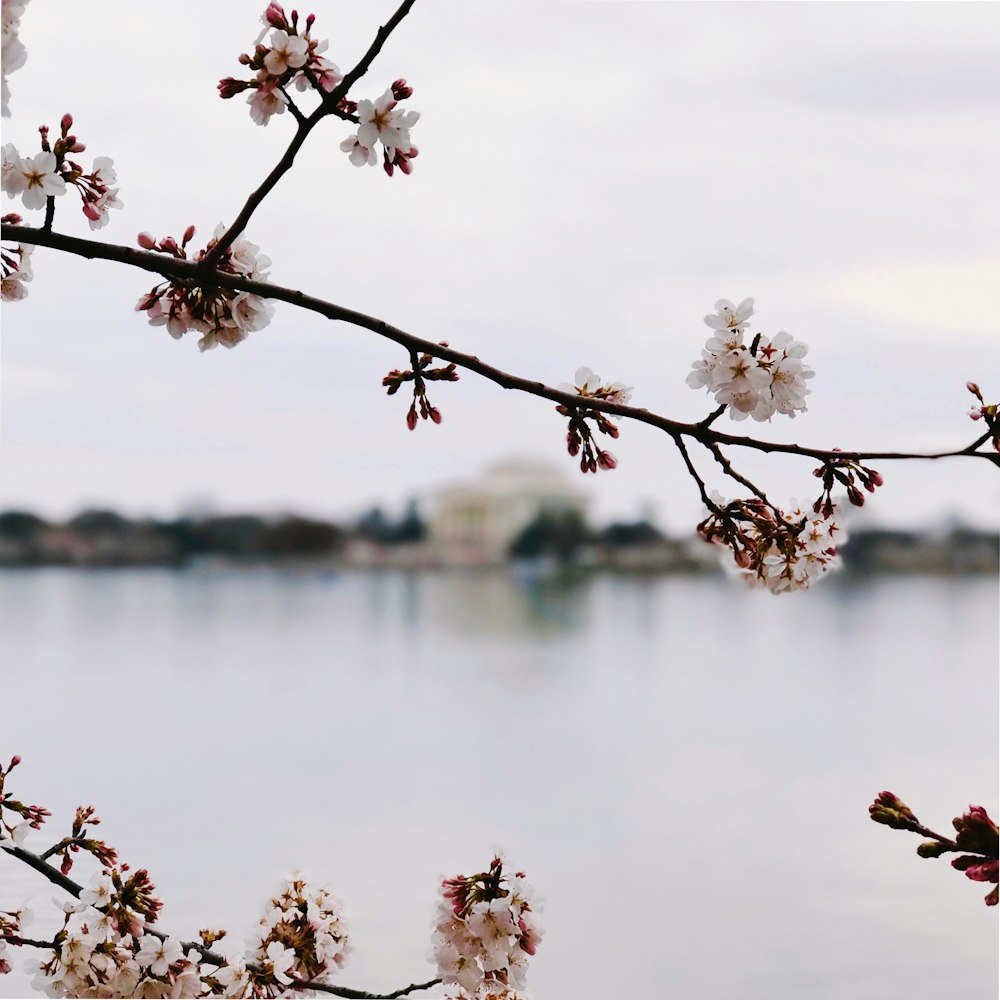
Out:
{"x": 14, "y": 54}
{"x": 579, "y": 436}
{"x": 290, "y": 57}
{"x": 989, "y": 412}
{"x": 778, "y": 549}
{"x": 47, "y": 174}
{"x": 222, "y": 315}
{"x": 758, "y": 381}
{"x": 15, "y": 262}
{"x": 383, "y": 121}
{"x": 485, "y": 932}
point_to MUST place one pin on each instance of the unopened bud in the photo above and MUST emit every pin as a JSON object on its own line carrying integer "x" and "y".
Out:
{"x": 66, "y": 123}
{"x": 855, "y": 496}
{"x": 169, "y": 244}
{"x": 188, "y": 235}
{"x": 606, "y": 460}
{"x": 14, "y": 761}
{"x": 411, "y": 417}
{"x": 76, "y": 147}
{"x": 931, "y": 849}
{"x": 435, "y": 414}
{"x": 974, "y": 389}
{"x": 310, "y": 21}
{"x": 275, "y": 16}
{"x": 401, "y": 90}
{"x": 146, "y": 241}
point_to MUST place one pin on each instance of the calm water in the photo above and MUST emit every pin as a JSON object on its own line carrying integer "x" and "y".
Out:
{"x": 682, "y": 767}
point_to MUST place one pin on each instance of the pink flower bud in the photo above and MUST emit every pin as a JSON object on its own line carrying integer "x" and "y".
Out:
{"x": 435, "y": 414}
{"x": 67, "y": 123}
{"x": 606, "y": 460}
{"x": 875, "y": 477}
{"x": 146, "y": 241}
{"x": 188, "y": 235}
{"x": 974, "y": 389}
{"x": 401, "y": 89}
{"x": 275, "y": 16}
{"x": 230, "y": 87}
{"x": 411, "y": 417}
{"x": 855, "y": 496}
{"x": 169, "y": 244}
{"x": 14, "y": 761}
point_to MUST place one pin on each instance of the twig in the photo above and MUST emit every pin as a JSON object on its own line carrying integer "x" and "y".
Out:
{"x": 682, "y": 448}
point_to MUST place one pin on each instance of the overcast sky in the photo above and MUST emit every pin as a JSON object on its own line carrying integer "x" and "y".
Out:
{"x": 591, "y": 179}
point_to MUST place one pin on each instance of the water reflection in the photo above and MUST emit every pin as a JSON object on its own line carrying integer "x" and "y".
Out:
{"x": 682, "y": 766}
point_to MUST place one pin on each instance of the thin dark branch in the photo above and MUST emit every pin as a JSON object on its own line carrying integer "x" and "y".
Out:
{"x": 727, "y": 468}
{"x": 333, "y": 98}
{"x": 212, "y": 958}
{"x": 293, "y": 107}
{"x": 706, "y": 500}
{"x": 186, "y": 270}
{"x": 56, "y": 848}
{"x": 50, "y": 212}
{"x": 306, "y": 125}
{"x": 19, "y": 941}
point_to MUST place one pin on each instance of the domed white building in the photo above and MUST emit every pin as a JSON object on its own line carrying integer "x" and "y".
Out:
{"x": 474, "y": 524}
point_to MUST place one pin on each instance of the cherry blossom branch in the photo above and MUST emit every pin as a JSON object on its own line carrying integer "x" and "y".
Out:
{"x": 305, "y": 126}
{"x": 703, "y": 432}
{"x": 976, "y": 834}
{"x": 56, "y": 877}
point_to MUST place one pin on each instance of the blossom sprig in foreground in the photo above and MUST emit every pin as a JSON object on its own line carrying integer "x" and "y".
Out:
{"x": 781, "y": 550}
{"x": 485, "y": 932}
{"x": 420, "y": 374}
{"x": 46, "y": 175}
{"x": 579, "y": 436}
{"x": 221, "y": 315}
{"x": 758, "y": 381}
{"x": 977, "y": 839}
{"x": 15, "y": 261}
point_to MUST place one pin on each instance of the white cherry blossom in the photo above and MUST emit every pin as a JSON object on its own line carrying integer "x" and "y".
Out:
{"x": 287, "y": 52}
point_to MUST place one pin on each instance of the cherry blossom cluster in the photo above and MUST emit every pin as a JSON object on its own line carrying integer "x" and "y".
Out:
{"x": 383, "y": 121}
{"x": 848, "y": 473}
{"x": 420, "y": 374}
{"x": 301, "y": 934}
{"x": 105, "y": 950}
{"x": 16, "y": 264}
{"x": 14, "y": 54}
{"x": 485, "y": 931}
{"x": 579, "y": 436}
{"x": 977, "y": 839}
{"x": 758, "y": 381}
{"x": 290, "y": 57}
{"x": 46, "y": 175}
{"x": 988, "y": 412}
{"x": 221, "y": 315}
{"x": 781, "y": 550}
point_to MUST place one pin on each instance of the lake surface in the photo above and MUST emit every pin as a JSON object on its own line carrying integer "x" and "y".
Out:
{"x": 683, "y": 767}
